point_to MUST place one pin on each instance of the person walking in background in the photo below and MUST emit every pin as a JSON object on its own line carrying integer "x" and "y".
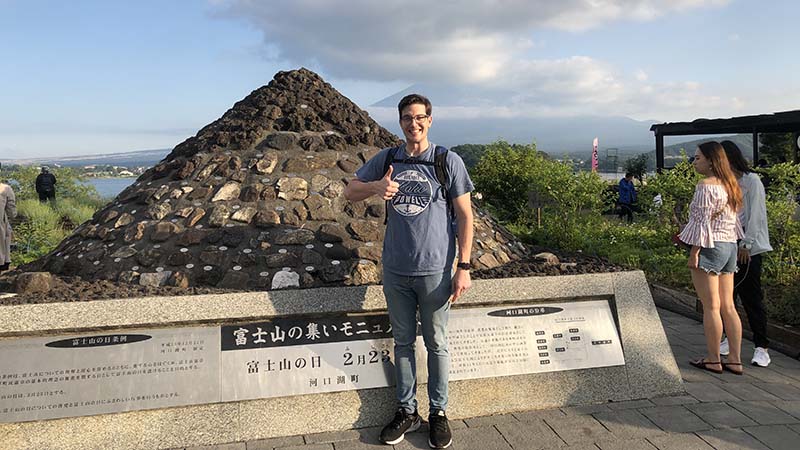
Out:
{"x": 627, "y": 197}
{"x": 712, "y": 231}
{"x": 753, "y": 217}
{"x": 8, "y": 210}
{"x": 46, "y": 185}
{"x": 418, "y": 254}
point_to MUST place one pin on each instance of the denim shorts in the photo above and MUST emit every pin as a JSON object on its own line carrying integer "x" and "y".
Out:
{"x": 720, "y": 259}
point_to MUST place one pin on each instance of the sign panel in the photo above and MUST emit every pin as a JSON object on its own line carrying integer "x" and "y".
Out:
{"x": 290, "y": 357}
{"x": 513, "y": 340}
{"x": 45, "y": 378}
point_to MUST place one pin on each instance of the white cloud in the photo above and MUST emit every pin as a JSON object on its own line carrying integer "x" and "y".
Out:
{"x": 483, "y": 47}
{"x": 466, "y": 41}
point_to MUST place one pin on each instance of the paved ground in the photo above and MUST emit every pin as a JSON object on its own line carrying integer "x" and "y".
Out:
{"x": 760, "y": 410}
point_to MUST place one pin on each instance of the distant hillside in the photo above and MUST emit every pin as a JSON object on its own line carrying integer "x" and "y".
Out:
{"x": 672, "y": 153}
{"x": 127, "y": 159}
{"x": 554, "y": 135}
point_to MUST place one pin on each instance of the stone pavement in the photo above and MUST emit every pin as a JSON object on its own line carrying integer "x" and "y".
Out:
{"x": 759, "y": 410}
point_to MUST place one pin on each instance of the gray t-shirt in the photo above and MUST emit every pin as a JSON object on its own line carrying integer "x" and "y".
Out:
{"x": 420, "y": 238}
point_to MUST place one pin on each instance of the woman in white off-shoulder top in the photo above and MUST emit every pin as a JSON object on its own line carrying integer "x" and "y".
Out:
{"x": 712, "y": 231}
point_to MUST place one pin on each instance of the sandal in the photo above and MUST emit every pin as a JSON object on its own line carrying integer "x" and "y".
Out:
{"x": 703, "y": 364}
{"x": 727, "y": 366}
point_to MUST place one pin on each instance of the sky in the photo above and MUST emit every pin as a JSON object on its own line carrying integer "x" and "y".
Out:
{"x": 89, "y": 77}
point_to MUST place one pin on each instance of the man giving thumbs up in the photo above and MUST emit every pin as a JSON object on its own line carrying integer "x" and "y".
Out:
{"x": 419, "y": 248}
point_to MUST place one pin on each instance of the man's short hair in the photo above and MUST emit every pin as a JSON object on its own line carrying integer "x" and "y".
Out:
{"x": 628, "y": 175}
{"x": 411, "y": 99}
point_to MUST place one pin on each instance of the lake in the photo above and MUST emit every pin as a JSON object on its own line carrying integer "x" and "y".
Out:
{"x": 110, "y": 187}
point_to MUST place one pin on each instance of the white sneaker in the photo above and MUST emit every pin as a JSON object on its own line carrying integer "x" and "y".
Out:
{"x": 724, "y": 348}
{"x": 761, "y": 357}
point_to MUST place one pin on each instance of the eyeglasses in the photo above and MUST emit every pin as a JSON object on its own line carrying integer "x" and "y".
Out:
{"x": 418, "y": 118}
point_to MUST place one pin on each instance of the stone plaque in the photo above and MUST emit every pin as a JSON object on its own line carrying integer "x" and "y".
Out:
{"x": 546, "y": 337}
{"x": 68, "y": 376}
{"x": 45, "y": 378}
{"x": 290, "y": 357}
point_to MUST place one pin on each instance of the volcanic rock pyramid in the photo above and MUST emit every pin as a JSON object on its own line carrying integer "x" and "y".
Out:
{"x": 254, "y": 201}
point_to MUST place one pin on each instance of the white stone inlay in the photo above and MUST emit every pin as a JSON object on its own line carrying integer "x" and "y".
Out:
{"x": 285, "y": 280}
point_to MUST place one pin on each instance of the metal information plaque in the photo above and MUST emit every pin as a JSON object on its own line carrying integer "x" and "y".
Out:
{"x": 71, "y": 376}
{"x": 43, "y": 378}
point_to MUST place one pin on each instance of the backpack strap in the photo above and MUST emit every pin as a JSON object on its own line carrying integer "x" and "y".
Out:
{"x": 442, "y": 175}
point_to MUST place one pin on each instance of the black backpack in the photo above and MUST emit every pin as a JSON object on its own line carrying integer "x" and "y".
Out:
{"x": 439, "y": 166}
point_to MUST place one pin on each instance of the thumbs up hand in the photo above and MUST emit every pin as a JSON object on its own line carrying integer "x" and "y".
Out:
{"x": 385, "y": 187}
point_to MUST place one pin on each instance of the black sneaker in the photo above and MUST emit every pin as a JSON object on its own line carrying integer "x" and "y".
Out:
{"x": 440, "y": 435}
{"x": 396, "y": 430}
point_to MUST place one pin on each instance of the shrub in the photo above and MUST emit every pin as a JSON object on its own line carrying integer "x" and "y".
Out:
{"x": 73, "y": 213}
{"x": 512, "y": 179}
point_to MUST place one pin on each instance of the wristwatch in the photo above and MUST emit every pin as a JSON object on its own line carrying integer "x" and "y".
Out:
{"x": 745, "y": 245}
{"x": 464, "y": 265}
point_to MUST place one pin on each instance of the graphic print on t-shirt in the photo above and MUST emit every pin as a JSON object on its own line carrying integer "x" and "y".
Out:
{"x": 414, "y": 194}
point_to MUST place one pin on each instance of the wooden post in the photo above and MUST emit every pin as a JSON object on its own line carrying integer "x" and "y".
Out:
{"x": 659, "y": 152}
{"x": 755, "y": 148}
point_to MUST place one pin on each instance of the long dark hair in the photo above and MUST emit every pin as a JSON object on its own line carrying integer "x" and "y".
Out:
{"x": 715, "y": 153}
{"x": 735, "y": 157}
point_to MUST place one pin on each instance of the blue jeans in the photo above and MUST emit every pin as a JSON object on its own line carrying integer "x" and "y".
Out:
{"x": 431, "y": 294}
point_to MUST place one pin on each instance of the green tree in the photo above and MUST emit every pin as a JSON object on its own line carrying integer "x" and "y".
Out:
{"x": 776, "y": 148}
{"x": 637, "y": 166}
{"x": 516, "y": 180}
{"x": 69, "y": 184}
{"x": 676, "y": 187}
{"x": 470, "y": 153}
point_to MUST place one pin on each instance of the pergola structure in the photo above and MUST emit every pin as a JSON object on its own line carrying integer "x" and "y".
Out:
{"x": 780, "y": 122}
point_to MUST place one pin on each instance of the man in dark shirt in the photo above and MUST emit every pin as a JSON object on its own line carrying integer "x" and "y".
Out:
{"x": 46, "y": 185}
{"x": 627, "y": 197}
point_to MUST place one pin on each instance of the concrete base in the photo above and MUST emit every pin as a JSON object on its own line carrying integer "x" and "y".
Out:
{"x": 650, "y": 369}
